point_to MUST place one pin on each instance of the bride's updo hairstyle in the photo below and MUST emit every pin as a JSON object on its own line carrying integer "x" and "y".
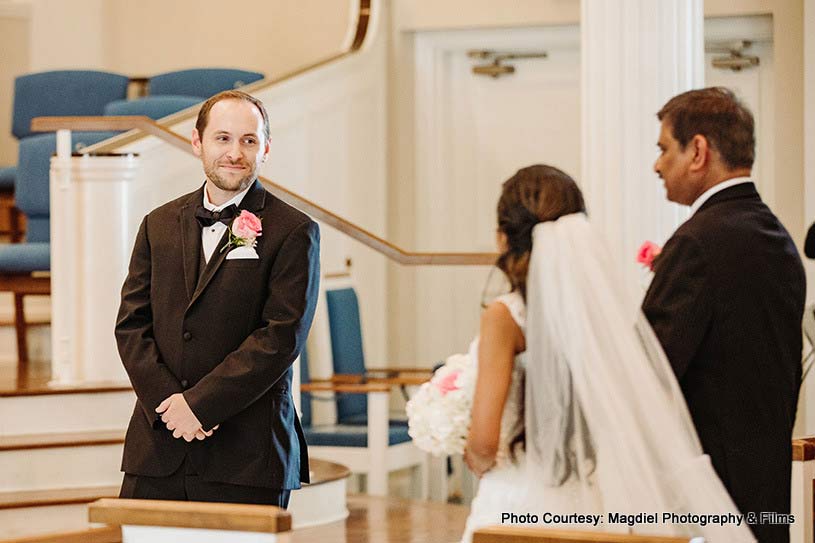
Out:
{"x": 535, "y": 194}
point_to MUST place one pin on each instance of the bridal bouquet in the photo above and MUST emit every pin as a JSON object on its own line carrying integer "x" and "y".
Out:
{"x": 439, "y": 413}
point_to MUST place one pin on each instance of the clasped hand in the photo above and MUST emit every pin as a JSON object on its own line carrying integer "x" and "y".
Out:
{"x": 179, "y": 418}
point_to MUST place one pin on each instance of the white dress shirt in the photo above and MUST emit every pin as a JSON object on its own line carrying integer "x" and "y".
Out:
{"x": 211, "y": 235}
{"x": 717, "y": 188}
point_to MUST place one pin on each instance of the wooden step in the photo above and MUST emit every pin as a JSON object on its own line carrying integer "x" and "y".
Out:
{"x": 105, "y": 534}
{"x": 25, "y": 514}
{"x": 47, "y": 409}
{"x": 42, "y": 386}
{"x": 64, "y": 439}
{"x": 56, "y": 496}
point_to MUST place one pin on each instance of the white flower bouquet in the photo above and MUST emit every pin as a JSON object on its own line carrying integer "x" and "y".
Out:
{"x": 439, "y": 412}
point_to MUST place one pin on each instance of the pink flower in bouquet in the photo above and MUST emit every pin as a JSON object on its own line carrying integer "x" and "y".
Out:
{"x": 448, "y": 383}
{"x": 246, "y": 225}
{"x": 648, "y": 253}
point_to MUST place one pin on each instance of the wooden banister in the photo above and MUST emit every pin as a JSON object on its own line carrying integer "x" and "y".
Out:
{"x": 397, "y": 254}
{"x": 803, "y": 449}
{"x": 203, "y": 515}
{"x": 349, "y": 388}
{"x": 512, "y": 534}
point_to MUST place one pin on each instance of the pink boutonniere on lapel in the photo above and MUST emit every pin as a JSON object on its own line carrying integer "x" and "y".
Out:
{"x": 244, "y": 231}
{"x": 648, "y": 253}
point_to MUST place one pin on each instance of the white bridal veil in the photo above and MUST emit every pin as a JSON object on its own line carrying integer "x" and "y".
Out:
{"x": 602, "y": 403}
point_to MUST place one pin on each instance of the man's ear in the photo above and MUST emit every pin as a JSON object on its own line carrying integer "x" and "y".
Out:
{"x": 196, "y": 142}
{"x": 265, "y": 150}
{"x": 701, "y": 152}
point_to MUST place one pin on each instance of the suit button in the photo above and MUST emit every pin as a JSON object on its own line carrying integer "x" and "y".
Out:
{"x": 185, "y": 383}
{"x": 187, "y": 336}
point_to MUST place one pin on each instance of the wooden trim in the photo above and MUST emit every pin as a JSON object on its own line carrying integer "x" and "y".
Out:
{"x": 395, "y": 253}
{"x": 403, "y": 380}
{"x": 323, "y": 471}
{"x": 348, "y": 388}
{"x": 511, "y": 534}
{"x": 105, "y": 534}
{"x": 363, "y": 17}
{"x": 55, "y": 496}
{"x": 41, "y": 389}
{"x": 25, "y": 283}
{"x": 803, "y": 449}
{"x": 399, "y": 370}
{"x": 64, "y": 439}
{"x": 202, "y": 515}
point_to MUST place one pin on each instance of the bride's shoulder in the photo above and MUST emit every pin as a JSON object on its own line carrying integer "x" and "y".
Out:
{"x": 514, "y": 302}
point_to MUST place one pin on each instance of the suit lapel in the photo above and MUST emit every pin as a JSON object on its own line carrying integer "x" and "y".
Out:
{"x": 190, "y": 245}
{"x": 215, "y": 261}
{"x": 253, "y": 201}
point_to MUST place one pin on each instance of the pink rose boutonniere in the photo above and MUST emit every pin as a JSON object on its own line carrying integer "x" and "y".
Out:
{"x": 244, "y": 231}
{"x": 648, "y": 253}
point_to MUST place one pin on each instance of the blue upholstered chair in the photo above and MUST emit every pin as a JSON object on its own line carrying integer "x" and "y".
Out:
{"x": 64, "y": 92}
{"x": 349, "y": 358}
{"x": 201, "y": 82}
{"x": 56, "y": 93}
{"x": 155, "y": 107}
{"x": 22, "y": 264}
{"x": 373, "y": 449}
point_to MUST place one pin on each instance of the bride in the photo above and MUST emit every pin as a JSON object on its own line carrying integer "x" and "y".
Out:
{"x": 577, "y": 419}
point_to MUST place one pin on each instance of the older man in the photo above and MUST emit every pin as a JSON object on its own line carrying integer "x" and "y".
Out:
{"x": 726, "y": 302}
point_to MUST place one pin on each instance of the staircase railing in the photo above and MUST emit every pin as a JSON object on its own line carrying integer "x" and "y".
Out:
{"x": 383, "y": 246}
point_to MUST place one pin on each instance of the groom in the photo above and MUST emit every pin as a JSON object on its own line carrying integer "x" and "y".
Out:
{"x": 214, "y": 310}
{"x": 726, "y": 302}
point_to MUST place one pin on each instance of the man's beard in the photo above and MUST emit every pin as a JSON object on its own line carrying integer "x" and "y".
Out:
{"x": 212, "y": 174}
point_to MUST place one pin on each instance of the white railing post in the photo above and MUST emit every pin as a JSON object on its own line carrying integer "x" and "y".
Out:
{"x": 91, "y": 237}
{"x": 62, "y": 262}
{"x": 378, "y": 443}
{"x": 803, "y": 485}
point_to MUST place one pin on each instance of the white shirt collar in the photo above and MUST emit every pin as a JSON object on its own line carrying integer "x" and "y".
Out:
{"x": 237, "y": 199}
{"x": 717, "y": 188}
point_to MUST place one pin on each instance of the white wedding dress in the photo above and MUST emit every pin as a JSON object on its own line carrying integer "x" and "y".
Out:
{"x": 516, "y": 486}
{"x": 607, "y": 428}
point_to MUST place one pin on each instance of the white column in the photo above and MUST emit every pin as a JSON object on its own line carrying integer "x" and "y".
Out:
{"x": 636, "y": 54}
{"x": 91, "y": 235}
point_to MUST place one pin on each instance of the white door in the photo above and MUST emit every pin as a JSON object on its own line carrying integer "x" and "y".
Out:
{"x": 473, "y": 132}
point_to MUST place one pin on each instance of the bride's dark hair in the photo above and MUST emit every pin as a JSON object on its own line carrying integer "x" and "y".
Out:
{"x": 534, "y": 194}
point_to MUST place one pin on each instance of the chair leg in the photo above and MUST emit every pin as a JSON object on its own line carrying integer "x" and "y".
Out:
{"x": 20, "y": 327}
{"x": 14, "y": 225}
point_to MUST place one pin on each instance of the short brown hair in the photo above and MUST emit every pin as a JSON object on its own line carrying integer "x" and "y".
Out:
{"x": 534, "y": 194}
{"x": 203, "y": 113}
{"x": 720, "y": 117}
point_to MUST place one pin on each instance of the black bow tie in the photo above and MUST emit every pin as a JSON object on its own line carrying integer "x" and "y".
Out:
{"x": 206, "y": 217}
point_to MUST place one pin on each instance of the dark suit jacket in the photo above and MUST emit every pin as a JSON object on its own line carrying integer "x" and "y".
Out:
{"x": 226, "y": 339}
{"x": 726, "y": 302}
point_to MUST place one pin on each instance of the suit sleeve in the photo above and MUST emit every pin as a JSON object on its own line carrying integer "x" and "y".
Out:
{"x": 678, "y": 304}
{"x": 809, "y": 243}
{"x": 266, "y": 355}
{"x": 151, "y": 378}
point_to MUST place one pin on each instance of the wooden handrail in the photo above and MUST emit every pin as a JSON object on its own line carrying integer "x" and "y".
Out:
{"x": 204, "y": 515}
{"x": 397, "y": 254}
{"x": 512, "y": 534}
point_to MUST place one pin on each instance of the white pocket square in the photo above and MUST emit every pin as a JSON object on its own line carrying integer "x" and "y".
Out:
{"x": 242, "y": 253}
